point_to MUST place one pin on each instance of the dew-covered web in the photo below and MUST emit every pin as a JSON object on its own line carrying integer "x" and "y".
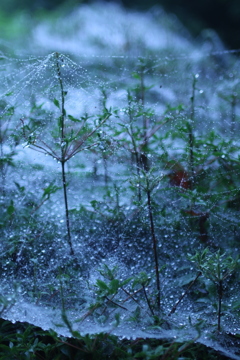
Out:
{"x": 162, "y": 124}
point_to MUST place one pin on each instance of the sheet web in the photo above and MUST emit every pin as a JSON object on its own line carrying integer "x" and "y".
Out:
{"x": 167, "y": 83}
{"x": 170, "y": 81}
{"x": 171, "y": 120}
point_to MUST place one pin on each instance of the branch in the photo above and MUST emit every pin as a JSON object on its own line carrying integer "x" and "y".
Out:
{"x": 183, "y": 295}
{"x": 84, "y": 138}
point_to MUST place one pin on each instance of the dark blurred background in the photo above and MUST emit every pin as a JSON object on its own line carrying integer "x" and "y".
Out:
{"x": 221, "y": 15}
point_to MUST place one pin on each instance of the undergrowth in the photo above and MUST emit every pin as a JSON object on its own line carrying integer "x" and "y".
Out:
{"x": 104, "y": 219}
{"x": 23, "y": 341}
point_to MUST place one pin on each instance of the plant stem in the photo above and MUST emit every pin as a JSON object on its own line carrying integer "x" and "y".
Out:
{"x": 184, "y": 294}
{"x": 63, "y": 159}
{"x": 143, "y": 158}
{"x": 62, "y": 117}
{"x": 148, "y": 302}
{"x": 191, "y": 137}
{"x": 154, "y": 243}
{"x": 135, "y": 151}
{"x": 66, "y": 207}
{"x": 114, "y": 303}
{"x": 62, "y": 297}
{"x": 233, "y": 114}
{"x": 105, "y": 169}
{"x": 137, "y": 161}
{"x": 220, "y": 293}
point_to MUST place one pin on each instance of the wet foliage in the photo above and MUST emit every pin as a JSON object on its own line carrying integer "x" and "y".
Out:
{"x": 25, "y": 341}
{"x": 120, "y": 201}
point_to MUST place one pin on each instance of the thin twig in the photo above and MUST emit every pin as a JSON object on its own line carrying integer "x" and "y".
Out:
{"x": 47, "y": 146}
{"x": 130, "y": 295}
{"x": 44, "y": 151}
{"x": 114, "y": 303}
{"x": 183, "y": 295}
{"x": 220, "y": 293}
{"x": 84, "y": 138}
{"x": 89, "y": 313}
{"x": 154, "y": 240}
{"x": 66, "y": 207}
{"x": 152, "y": 132}
{"x": 148, "y": 302}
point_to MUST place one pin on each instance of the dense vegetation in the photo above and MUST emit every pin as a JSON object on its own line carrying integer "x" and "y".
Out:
{"x": 23, "y": 341}
{"x": 120, "y": 205}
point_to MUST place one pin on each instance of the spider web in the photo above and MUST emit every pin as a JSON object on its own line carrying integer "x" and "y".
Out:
{"x": 172, "y": 92}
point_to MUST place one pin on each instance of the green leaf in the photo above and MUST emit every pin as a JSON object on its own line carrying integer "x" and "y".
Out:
{"x": 114, "y": 285}
{"x": 136, "y": 76}
{"x": 20, "y": 188}
{"x": 51, "y": 189}
{"x": 117, "y": 319}
{"x": 56, "y": 102}
{"x": 72, "y": 118}
{"x": 11, "y": 209}
{"x": 94, "y": 203}
{"x": 102, "y": 285}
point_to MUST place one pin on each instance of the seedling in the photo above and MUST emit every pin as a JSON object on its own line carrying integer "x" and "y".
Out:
{"x": 144, "y": 280}
{"x": 148, "y": 182}
{"x": 70, "y": 141}
{"x": 217, "y": 267}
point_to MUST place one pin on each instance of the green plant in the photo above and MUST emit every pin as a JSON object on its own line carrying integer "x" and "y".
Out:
{"x": 107, "y": 292}
{"x": 6, "y": 157}
{"x": 190, "y": 127}
{"x": 24, "y": 341}
{"x": 140, "y": 136}
{"x": 148, "y": 183}
{"x": 143, "y": 280}
{"x": 217, "y": 267}
{"x": 69, "y": 141}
